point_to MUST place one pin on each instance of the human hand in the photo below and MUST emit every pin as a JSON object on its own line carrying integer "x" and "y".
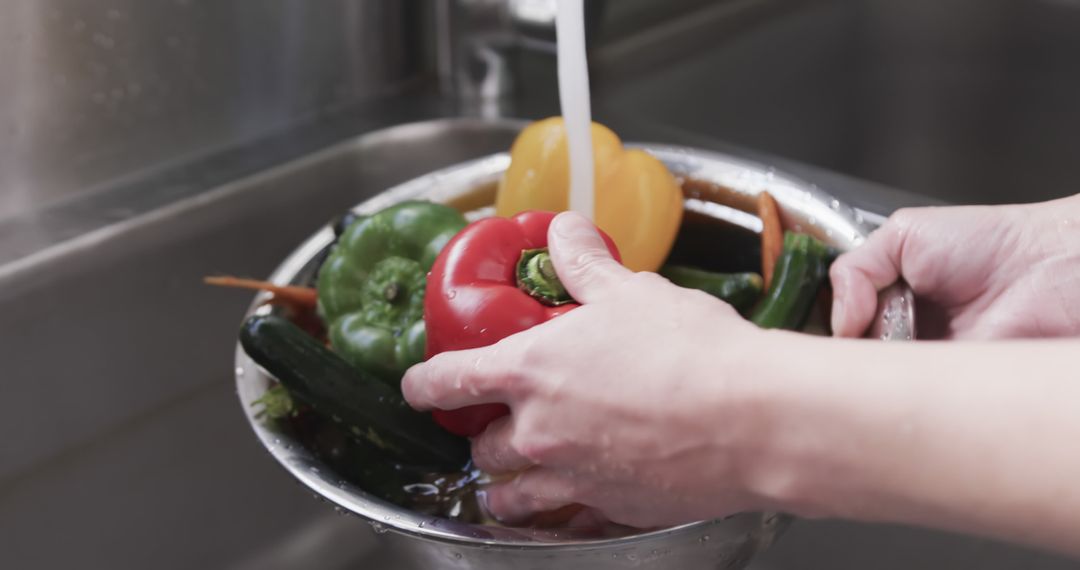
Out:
{"x": 978, "y": 272}
{"x": 635, "y": 404}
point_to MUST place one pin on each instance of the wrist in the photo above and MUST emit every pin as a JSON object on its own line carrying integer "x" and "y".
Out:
{"x": 764, "y": 397}
{"x": 817, "y": 413}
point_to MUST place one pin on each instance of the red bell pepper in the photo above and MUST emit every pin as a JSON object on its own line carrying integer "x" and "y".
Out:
{"x": 492, "y": 280}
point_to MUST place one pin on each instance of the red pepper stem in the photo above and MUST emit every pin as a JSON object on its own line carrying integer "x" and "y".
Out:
{"x": 536, "y": 276}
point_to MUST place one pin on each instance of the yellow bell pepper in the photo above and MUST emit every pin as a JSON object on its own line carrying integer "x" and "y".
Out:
{"x": 638, "y": 202}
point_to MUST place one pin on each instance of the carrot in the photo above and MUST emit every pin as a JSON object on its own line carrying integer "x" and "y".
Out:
{"x": 772, "y": 235}
{"x": 299, "y": 297}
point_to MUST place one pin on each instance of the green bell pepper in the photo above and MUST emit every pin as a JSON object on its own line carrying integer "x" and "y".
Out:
{"x": 371, "y": 286}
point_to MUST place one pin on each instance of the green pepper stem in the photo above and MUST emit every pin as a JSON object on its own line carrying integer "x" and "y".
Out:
{"x": 536, "y": 276}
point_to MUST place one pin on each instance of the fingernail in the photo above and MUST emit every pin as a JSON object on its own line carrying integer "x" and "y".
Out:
{"x": 839, "y": 287}
{"x": 837, "y": 319}
{"x": 572, "y": 225}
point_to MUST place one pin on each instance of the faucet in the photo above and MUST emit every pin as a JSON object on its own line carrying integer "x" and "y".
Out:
{"x": 476, "y": 41}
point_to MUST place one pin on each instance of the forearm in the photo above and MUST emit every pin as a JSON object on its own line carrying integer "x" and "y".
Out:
{"x": 971, "y": 437}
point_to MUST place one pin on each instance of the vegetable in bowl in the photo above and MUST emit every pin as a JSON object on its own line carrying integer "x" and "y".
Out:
{"x": 353, "y": 418}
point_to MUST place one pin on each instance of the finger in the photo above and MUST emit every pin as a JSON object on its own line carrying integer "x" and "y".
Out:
{"x": 582, "y": 259}
{"x": 858, "y": 275}
{"x": 453, "y": 380}
{"x": 535, "y": 491}
{"x": 492, "y": 452}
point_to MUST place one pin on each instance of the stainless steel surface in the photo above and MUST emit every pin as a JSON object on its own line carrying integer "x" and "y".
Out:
{"x": 95, "y": 92}
{"x": 490, "y": 50}
{"x": 426, "y": 541}
{"x": 122, "y": 433}
{"x": 967, "y": 101}
{"x": 480, "y": 42}
{"x": 895, "y": 318}
{"x": 139, "y": 144}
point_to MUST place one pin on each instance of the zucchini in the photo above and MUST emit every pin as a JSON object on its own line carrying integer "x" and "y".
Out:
{"x": 364, "y": 405}
{"x": 800, "y": 271}
{"x": 740, "y": 290}
{"x": 358, "y": 461}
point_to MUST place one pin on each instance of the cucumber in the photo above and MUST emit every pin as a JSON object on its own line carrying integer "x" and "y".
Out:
{"x": 365, "y": 406}
{"x": 800, "y": 271}
{"x": 740, "y": 290}
{"x": 356, "y": 460}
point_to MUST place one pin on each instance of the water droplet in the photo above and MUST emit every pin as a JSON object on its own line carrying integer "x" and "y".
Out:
{"x": 704, "y": 538}
{"x": 483, "y": 330}
{"x": 859, "y": 218}
{"x": 277, "y": 441}
{"x": 239, "y": 370}
{"x": 314, "y": 469}
{"x": 420, "y": 524}
{"x": 422, "y": 489}
{"x": 451, "y": 294}
{"x": 103, "y": 41}
{"x": 835, "y": 204}
{"x": 379, "y": 528}
{"x": 457, "y": 556}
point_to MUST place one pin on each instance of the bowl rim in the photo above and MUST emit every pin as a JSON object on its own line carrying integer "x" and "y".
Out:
{"x": 819, "y": 210}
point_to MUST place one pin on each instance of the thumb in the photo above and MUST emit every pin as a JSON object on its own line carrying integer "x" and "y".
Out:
{"x": 582, "y": 259}
{"x": 858, "y": 275}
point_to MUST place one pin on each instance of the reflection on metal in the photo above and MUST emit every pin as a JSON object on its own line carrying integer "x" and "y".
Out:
{"x": 95, "y": 91}
{"x": 895, "y": 319}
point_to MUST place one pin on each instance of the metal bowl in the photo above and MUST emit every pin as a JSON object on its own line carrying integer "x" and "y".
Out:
{"x": 726, "y": 188}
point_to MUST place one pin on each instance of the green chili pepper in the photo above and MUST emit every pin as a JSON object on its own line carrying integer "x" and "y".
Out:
{"x": 371, "y": 286}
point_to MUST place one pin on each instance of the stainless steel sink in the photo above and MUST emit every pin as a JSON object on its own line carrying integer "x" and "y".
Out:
{"x": 124, "y": 441}
{"x": 125, "y": 447}
{"x": 969, "y": 101}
